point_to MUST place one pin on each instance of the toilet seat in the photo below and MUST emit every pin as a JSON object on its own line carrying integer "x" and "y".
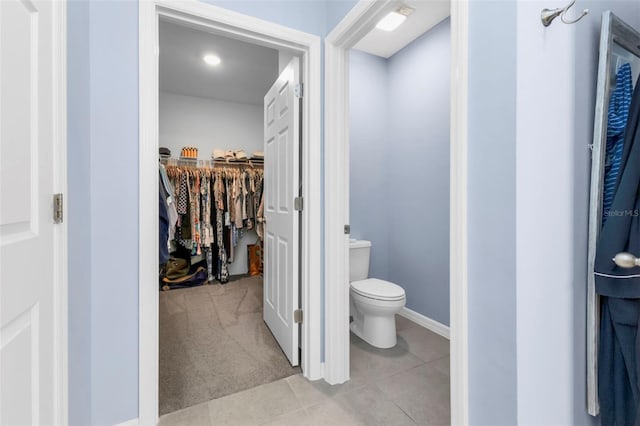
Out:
{"x": 374, "y": 288}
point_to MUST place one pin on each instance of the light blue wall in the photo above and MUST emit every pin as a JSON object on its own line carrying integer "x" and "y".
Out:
{"x": 418, "y": 172}
{"x": 520, "y": 341}
{"x": 553, "y": 169}
{"x": 103, "y": 137}
{"x": 312, "y": 16}
{"x": 304, "y": 15}
{"x": 544, "y": 214}
{"x": 336, "y": 10}
{"x": 369, "y": 185}
{"x": 491, "y": 213}
{"x": 400, "y": 167}
{"x": 114, "y": 210}
{"x": 78, "y": 217}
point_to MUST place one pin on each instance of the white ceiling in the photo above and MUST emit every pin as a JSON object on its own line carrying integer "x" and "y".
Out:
{"x": 245, "y": 75}
{"x": 427, "y": 15}
{"x": 247, "y": 71}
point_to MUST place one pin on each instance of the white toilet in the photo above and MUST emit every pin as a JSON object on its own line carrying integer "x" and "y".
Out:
{"x": 373, "y": 302}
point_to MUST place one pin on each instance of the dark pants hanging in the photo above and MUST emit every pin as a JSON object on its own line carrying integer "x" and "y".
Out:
{"x": 619, "y": 352}
{"x": 163, "y": 246}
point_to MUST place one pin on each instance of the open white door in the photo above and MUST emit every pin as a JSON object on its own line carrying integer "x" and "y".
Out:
{"x": 281, "y": 177}
{"x": 29, "y": 356}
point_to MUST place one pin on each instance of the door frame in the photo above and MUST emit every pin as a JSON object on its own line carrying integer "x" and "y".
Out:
{"x": 359, "y": 21}
{"x": 253, "y": 30}
{"x": 60, "y": 231}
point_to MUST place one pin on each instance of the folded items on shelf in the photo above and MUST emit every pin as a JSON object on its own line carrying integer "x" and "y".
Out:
{"x": 238, "y": 155}
{"x": 222, "y": 155}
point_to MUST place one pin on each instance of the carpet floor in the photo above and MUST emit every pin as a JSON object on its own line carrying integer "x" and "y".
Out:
{"x": 214, "y": 342}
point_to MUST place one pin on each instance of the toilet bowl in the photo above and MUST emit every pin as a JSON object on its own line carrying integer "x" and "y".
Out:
{"x": 373, "y": 302}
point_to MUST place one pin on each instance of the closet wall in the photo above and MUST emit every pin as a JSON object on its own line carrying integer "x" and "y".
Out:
{"x": 208, "y": 124}
{"x": 400, "y": 167}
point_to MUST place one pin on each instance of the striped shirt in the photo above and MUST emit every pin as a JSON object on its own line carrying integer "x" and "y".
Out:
{"x": 616, "y": 124}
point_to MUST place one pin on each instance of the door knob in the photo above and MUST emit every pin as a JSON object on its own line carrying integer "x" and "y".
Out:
{"x": 626, "y": 260}
{"x": 261, "y": 220}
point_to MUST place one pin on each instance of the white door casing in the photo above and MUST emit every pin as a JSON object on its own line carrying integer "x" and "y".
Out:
{"x": 360, "y": 20}
{"x": 32, "y": 248}
{"x": 253, "y": 30}
{"x": 281, "y": 186}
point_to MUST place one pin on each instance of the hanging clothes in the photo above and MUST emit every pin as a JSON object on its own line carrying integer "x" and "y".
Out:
{"x": 194, "y": 192}
{"x": 163, "y": 251}
{"x": 220, "y": 196}
{"x": 183, "y": 231}
{"x": 168, "y": 215}
{"x": 214, "y": 209}
{"x": 170, "y": 201}
{"x": 258, "y": 208}
{"x": 619, "y": 346}
{"x": 616, "y": 123}
{"x": 205, "y": 220}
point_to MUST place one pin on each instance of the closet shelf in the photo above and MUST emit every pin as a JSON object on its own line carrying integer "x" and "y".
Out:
{"x": 188, "y": 160}
{"x": 250, "y": 163}
{"x": 192, "y": 162}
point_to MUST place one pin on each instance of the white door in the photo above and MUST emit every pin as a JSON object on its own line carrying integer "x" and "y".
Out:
{"x": 281, "y": 180}
{"x": 28, "y": 355}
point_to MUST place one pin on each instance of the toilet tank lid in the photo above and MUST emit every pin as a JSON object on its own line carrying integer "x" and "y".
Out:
{"x": 359, "y": 243}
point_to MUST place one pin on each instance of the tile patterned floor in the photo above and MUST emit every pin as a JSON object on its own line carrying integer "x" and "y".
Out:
{"x": 405, "y": 385}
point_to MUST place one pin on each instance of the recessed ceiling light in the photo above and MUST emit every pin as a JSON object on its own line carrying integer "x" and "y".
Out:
{"x": 211, "y": 60}
{"x": 394, "y": 19}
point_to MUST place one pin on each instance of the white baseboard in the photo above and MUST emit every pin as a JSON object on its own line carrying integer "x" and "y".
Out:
{"x": 132, "y": 422}
{"x": 425, "y": 322}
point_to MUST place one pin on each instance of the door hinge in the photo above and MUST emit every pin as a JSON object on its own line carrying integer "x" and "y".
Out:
{"x": 297, "y": 316}
{"x": 299, "y": 90}
{"x": 298, "y": 204}
{"x": 347, "y": 229}
{"x": 58, "y": 208}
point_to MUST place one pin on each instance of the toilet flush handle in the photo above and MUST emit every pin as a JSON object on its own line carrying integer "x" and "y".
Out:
{"x": 626, "y": 260}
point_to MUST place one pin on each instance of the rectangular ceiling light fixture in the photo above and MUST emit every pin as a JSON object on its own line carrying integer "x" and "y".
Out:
{"x": 394, "y": 19}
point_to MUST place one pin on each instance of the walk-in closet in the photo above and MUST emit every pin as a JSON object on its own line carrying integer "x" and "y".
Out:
{"x": 213, "y": 337}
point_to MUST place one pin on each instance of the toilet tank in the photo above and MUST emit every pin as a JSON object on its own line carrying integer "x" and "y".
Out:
{"x": 359, "y": 251}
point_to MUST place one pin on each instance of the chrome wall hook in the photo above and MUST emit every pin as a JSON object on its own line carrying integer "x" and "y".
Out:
{"x": 548, "y": 15}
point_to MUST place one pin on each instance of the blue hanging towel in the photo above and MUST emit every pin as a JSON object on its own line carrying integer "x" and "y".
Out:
{"x": 616, "y": 123}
